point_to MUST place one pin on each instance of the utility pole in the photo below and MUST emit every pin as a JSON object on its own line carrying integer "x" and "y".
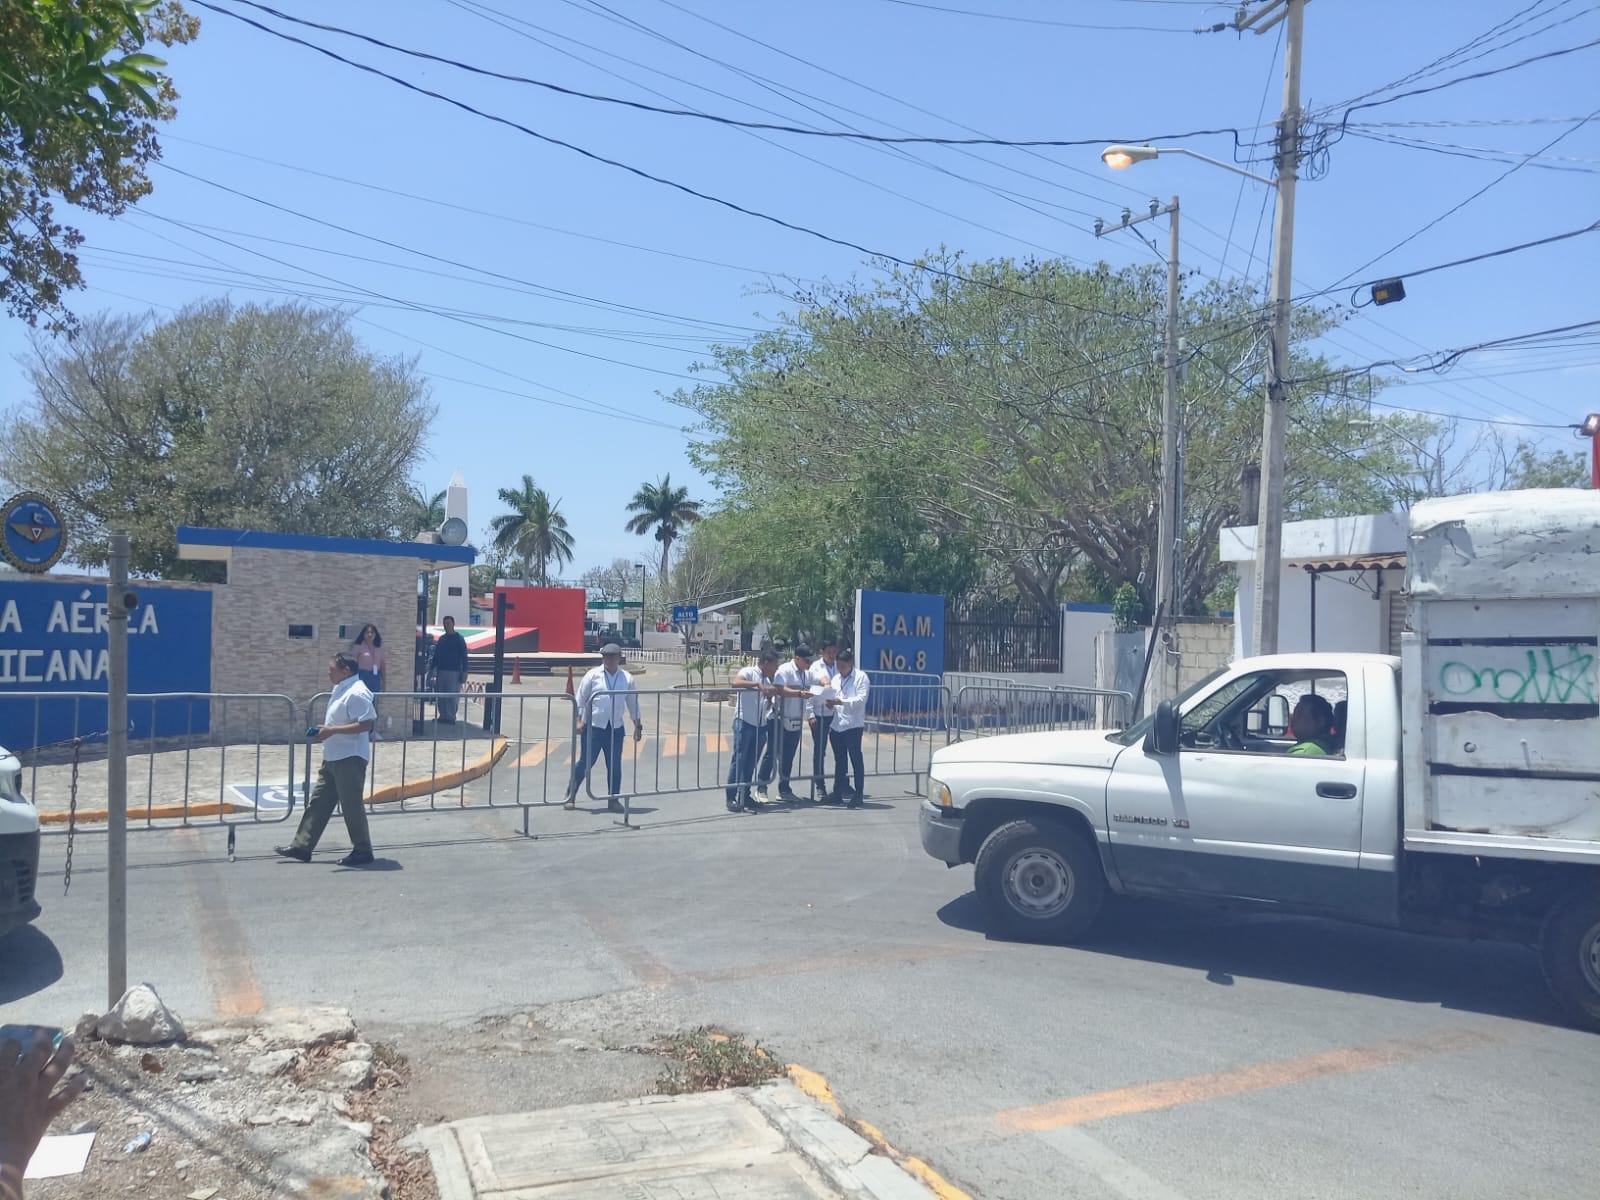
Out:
{"x": 118, "y": 602}
{"x": 1269, "y": 518}
{"x": 1164, "y": 686}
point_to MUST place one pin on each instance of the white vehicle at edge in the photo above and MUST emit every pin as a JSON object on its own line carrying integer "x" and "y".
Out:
{"x": 19, "y": 848}
{"x": 1449, "y": 791}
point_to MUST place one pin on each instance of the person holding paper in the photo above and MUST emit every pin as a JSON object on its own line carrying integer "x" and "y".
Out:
{"x": 819, "y": 716}
{"x": 849, "y": 723}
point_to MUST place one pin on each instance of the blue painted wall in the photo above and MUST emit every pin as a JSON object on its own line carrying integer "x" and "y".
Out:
{"x": 53, "y": 640}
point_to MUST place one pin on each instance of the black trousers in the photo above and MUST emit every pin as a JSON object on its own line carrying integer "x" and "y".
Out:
{"x": 819, "y": 746}
{"x": 847, "y": 746}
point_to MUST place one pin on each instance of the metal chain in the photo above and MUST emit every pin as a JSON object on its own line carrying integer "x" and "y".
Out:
{"x": 72, "y": 816}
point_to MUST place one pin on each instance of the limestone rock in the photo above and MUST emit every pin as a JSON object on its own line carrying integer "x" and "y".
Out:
{"x": 221, "y": 1035}
{"x": 273, "y": 1063}
{"x": 356, "y": 1052}
{"x": 305, "y": 1027}
{"x": 200, "y": 1072}
{"x": 140, "y": 1019}
{"x": 328, "y": 1161}
{"x": 348, "y": 1076}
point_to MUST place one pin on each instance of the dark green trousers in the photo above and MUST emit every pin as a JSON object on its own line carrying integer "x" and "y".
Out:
{"x": 340, "y": 782}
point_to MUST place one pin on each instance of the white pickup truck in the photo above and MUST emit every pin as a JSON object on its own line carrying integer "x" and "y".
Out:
{"x": 1459, "y": 793}
{"x": 19, "y": 848}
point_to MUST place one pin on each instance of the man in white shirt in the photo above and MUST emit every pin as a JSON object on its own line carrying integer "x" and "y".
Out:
{"x": 601, "y": 697}
{"x": 345, "y": 738}
{"x": 849, "y": 722}
{"x": 753, "y": 689}
{"x": 793, "y": 681}
{"x": 820, "y": 717}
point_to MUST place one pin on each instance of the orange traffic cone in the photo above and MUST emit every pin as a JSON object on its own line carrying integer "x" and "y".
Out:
{"x": 516, "y": 670}
{"x": 570, "y": 690}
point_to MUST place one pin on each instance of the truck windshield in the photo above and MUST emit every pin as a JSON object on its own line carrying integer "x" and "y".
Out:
{"x": 1135, "y": 732}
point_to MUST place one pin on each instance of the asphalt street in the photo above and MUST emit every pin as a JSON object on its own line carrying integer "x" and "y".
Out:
{"x": 1176, "y": 1056}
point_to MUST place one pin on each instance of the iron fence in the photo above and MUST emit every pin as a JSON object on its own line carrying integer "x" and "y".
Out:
{"x": 1004, "y": 707}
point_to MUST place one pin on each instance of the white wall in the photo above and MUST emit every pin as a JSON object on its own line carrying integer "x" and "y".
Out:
{"x": 1349, "y": 616}
{"x": 1080, "y": 624}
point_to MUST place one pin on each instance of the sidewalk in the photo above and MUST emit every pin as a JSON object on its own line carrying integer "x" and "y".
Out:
{"x": 767, "y": 1143}
{"x": 213, "y": 779}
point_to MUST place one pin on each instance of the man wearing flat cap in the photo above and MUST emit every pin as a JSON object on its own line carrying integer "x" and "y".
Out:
{"x": 605, "y": 691}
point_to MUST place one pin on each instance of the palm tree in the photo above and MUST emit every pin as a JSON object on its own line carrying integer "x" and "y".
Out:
{"x": 419, "y": 513}
{"x": 534, "y": 529}
{"x": 665, "y": 509}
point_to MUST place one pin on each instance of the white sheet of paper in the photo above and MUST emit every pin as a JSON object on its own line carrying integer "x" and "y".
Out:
{"x": 60, "y": 1154}
{"x": 825, "y": 693}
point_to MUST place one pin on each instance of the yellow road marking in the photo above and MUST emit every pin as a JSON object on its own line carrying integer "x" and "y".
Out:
{"x": 815, "y": 1086}
{"x": 1169, "y": 1093}
{"x": 718, "y": 743}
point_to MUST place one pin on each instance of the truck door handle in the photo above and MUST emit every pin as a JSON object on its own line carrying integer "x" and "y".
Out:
{"x": 1337, "y": 791}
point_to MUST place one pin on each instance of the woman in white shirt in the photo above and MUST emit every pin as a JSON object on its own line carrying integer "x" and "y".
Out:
{"x": 849, "y": 723}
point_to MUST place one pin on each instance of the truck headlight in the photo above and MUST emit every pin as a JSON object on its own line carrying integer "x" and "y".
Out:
{"x": 943, "y": 798}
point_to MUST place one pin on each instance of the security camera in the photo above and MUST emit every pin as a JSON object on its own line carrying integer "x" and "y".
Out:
{"x": 130, "y": 599}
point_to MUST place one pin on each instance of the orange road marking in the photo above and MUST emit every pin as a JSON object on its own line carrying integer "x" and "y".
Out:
{"x": 234, "y": 987}
{"x": 1169, "y": 1093}
{"x": 718, "y": 743}
{"x": 535, "y": 755}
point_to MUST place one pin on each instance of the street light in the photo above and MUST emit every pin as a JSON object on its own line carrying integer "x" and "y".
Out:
{"x": 1120, "y": 158}
{"x": 1275, "y": 419}
{"x": 1591, "y": 430}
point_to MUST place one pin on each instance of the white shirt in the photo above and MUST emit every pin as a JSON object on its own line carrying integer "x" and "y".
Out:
{"x": 853, "y": 689}
{"x": 605, "y": 713}
{"x": 821, "y": 676}
{"x": 350, "y": 701}
{"x": 749, "y": 705}
{"x": 790, "y": 675}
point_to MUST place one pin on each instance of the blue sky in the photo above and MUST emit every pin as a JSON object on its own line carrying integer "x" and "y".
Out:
{"x": 582, "y": 294}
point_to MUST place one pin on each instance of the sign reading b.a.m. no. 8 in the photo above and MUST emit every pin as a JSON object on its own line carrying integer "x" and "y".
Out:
{"x": 900, "y": 632}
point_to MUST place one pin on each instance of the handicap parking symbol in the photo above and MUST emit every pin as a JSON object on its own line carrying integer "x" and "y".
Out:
{"x": 269, "y": 797}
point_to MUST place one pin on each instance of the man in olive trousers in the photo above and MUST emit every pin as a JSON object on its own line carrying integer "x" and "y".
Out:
{"x": 345, "y": 738}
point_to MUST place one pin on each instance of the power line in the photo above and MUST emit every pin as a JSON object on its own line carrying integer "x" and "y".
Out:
{"x": 557, "y": 293}
{"x": 967, "y": 12}
{"x": 670, "y": 183}
{"x": 1449, "y": 83}
{"x": 1507, "y": 173}
{"x": 799, "y": 130}
{"x": 1582, "y": 166}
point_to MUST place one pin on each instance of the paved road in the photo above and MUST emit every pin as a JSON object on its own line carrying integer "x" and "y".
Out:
{"x": 1177, "y": 1055}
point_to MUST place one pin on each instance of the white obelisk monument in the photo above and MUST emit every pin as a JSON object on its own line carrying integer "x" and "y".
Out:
{"x": 455, "y": 588}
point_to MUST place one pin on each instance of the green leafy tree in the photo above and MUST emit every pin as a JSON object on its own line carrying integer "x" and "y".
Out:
{"x": 535, "y": 530}
{"x": 420, "y": 511}
{"x": 1014, "y": 412}
{"x": 664, "y": 510}
{"x": 80, "y": 103}
{"x": 254, "y": 417}
{"x": 1530, "y": 468}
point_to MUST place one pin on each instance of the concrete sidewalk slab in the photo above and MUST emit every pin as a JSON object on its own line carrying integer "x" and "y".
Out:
{"x": 768, "y": 1143}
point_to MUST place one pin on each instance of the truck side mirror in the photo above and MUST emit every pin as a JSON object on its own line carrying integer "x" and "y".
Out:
{"x": 1163, "y": 735}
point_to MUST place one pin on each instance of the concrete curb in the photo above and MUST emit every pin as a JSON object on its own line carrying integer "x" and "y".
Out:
{"x": 389, "y": 793}
{"x": 816, "y": 1088}
{"x": 851, "y": 1162}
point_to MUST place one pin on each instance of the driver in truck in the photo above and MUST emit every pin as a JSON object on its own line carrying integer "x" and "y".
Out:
{"x": 1311, "y": 723}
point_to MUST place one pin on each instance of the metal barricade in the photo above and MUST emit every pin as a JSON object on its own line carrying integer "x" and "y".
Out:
{"x": 420, "y": 763}
{"x": 687, "y": 744}
{"x": 983, "y": 708}
{"x": 194, "y": 758}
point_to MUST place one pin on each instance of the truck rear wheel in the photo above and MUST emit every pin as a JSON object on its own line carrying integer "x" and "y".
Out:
{"x": 1040, "y": 881}
{"x": 1569, "y": 948}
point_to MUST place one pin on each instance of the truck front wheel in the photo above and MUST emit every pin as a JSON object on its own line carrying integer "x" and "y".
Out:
{"x": 1569, "y": 948}
{"x": 1040, "y": 881}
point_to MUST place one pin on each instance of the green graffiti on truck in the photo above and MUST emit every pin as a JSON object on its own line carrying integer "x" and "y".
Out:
{"x": 1562, "y": 675}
